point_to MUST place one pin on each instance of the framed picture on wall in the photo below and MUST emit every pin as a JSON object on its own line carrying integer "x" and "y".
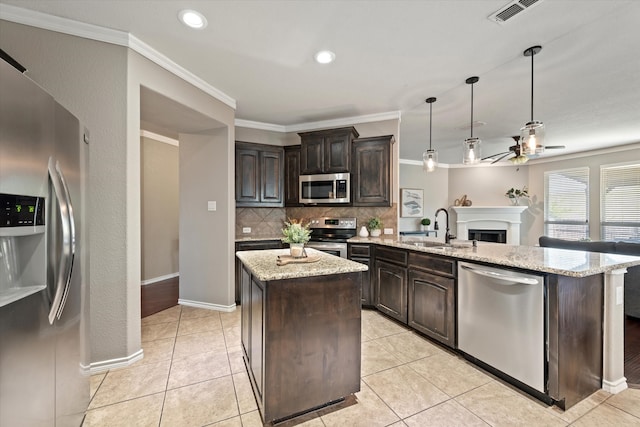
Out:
{"x": 411, "y": 202}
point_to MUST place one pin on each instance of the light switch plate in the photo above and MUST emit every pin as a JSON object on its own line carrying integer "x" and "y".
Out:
{"x": 388, "y": 231}
{"x": 211, "y": 205}
{"x": 246, "y": 230}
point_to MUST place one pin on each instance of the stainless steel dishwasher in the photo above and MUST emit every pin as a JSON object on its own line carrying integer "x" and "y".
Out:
{"x": 501, "y": 321}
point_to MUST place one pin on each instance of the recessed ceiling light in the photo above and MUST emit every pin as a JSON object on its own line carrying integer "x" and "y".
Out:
{"x": 325, "y": 57}
{"x": 192, "y": 19}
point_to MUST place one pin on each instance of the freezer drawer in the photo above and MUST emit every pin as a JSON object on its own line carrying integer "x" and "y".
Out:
{"x": 501, "y": 321}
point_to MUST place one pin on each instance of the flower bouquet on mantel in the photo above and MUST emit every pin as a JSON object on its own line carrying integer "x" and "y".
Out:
{"x": 515, "y": 194}
{"x": 296, "y": 234}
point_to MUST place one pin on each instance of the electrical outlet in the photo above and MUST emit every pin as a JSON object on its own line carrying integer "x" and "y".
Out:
{"x": 246, "y": 230}
{"x": 388, "y": 231}
{"x": 211, "y": 205}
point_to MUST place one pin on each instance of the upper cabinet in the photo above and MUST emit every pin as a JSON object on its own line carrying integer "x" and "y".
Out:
{"x": 291, "y": 174}
{"x": 326, "y": 151}
{"x": 259, "y": 175}
{"x": 371, "y": 170}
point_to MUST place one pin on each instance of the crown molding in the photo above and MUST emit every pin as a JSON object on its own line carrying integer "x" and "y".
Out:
{"x": 323, "y": 124}
{"x": 107, "y": 35}
{"x": 160, "y": 138}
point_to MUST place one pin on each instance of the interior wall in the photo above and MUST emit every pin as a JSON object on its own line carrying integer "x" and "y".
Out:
{"x": 435, "y": 189}
{"x": 89, "y": 79}
{"x": 159, "y": 209}
{"x": 260, "y": 136}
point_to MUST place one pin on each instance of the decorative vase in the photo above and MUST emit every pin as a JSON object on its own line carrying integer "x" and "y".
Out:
{"x": 376, "y": 232}
{"x": 363, "y": 232}
{"x": 297, "y": 250}
{"x": 515, "y": 201}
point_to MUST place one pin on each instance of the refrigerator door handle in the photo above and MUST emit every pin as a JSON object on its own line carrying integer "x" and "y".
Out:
{"x": 68, "y": 233}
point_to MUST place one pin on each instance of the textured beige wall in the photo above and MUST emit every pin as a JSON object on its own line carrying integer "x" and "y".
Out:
{"x": 159, "y": 208}
{"x": 89, "y": 79}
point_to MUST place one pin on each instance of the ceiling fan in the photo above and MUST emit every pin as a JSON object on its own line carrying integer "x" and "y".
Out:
{"x": 518, "y": 152}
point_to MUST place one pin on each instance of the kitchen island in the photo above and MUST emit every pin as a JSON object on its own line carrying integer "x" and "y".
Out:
{"x": 583, "y": 297}
{"x": 300, "y": 331}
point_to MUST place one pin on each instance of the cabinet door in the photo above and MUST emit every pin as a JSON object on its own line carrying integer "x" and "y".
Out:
{"x": 371, "y": 171}
{"x": 391, "y": 290}
{"x": 432, "y": 306}
{"x": 312, "y": 154}
{"x": 247, "y": 175}
{"x": 337, "y": 153}
{"x": 272, "y": 178}
{"x": 256, "y": 349}
{"x": 245, "y": 319}
{"x": 291, "y": 175}
{"x": 366, "y": 280}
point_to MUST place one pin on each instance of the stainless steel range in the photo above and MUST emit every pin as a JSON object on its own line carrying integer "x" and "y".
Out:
{"x": 331, "y": 234}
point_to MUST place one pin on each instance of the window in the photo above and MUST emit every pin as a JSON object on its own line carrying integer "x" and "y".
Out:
{"x": 566, "y": 204}
{"x": 620, "y": 202}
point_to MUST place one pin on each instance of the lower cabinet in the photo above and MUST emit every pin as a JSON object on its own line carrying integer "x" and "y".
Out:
{"x": 362, "y": 253}
{"x": 391, "y": 282}
{"x": 432, "y": 306}
{"x": 432, "y": 297}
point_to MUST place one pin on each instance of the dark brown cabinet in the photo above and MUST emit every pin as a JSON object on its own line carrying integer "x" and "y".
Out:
{"x": 432, "y": 297}
{"x": 291, "y": 175}
{"x": 363, "y": 254}
{"x": 259, "y": 175}
{"x": 391, "y": 282}
{"x": 253, "y": 245}
{"x": 326, "y": 151}
{"x": 371, "y": 171}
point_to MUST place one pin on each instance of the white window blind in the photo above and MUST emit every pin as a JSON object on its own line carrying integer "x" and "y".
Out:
{"x": 620, "y": 202}
{"x": 566, "y": 203}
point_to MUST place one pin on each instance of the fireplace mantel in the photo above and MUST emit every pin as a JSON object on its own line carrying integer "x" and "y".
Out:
{"x": 490, "y": 218}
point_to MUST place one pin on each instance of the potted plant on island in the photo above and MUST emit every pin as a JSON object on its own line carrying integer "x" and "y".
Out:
{"x": 296, "y": 234}
{"x": 514, "y": 194}
{"x": 375, "y": 226}
{"x": 425, "y": 222}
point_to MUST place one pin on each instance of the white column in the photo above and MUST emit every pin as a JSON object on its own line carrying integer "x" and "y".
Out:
{"x": 613, "y": 379}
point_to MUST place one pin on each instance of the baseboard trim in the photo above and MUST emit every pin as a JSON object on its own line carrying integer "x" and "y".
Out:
{"x": 121, "y": 362}
{"x": 206, "y": 305}
{"x": 614, "y": 387}
{"x": 159, "y": 279}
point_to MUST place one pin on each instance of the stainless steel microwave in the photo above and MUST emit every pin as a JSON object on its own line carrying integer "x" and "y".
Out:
{"x": 325, "y": 188}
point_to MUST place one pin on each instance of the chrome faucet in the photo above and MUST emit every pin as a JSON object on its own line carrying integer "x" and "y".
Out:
{"x": 447, "y": 236}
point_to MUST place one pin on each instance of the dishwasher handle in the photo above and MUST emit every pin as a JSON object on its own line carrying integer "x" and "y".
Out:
{"x": 515, "y": 280}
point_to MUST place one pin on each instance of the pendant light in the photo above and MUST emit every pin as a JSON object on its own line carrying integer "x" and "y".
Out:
{"x": 532, "y": 134}
{"x": 471, "y": 146}
{"x": 430, "y": 157}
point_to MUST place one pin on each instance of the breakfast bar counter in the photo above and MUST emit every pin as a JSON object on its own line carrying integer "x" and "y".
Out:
{"x": 300, "y": 330}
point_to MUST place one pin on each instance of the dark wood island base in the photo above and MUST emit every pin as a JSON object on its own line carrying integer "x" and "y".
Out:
{"x": 301, "y": 340}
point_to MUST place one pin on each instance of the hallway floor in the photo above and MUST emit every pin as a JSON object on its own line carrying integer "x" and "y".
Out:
{"x": 192, "y": 374}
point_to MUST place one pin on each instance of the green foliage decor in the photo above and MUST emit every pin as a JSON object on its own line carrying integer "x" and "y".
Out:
{"x": 374, "y": 223}
{"x": 425, "y": 221}
{"x": 516, "y": 192}
{"x": 295, "y": 232}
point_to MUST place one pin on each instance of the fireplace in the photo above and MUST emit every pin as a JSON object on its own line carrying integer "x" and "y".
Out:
{"x": 495, "y": 236}
{"x": 499, "y": 224}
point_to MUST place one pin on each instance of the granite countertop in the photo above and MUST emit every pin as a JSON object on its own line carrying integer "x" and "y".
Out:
{"x": 257, "y": 239}
{"x": 548, "y": 260}
{"x": 263, "y": 265}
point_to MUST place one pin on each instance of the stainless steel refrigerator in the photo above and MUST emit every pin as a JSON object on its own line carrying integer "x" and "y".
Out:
{"x": 44, "y": 275}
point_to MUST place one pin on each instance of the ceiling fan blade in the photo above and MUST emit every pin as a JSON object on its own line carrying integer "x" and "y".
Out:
{"x": 553, "y": 147}
{"x": 495, "y": 155}
{"x": 500, "y": 158}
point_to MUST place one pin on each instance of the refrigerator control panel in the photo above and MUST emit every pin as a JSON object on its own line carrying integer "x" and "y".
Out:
{"x": 21, "y": 211}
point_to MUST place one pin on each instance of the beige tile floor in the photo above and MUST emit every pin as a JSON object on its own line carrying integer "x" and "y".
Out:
{"x": 192, "y": 374}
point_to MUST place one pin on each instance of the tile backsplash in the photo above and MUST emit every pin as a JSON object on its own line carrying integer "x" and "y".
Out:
{"x": 267, "y": 222}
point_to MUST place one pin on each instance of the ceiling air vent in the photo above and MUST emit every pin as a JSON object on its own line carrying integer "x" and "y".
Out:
{"x": 511, "y": 10}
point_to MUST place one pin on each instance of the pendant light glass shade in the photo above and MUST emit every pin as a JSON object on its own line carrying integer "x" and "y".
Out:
{"x": 430, "y": 157}
{"x": 532, "y": 133}
{"x": 471, "y": 147}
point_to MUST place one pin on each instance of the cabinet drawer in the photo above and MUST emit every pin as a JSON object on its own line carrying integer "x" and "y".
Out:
{"x": 396, "y": 256}
{"x": 258, "y": 245}
{"x": 359, "y": 250}
{"x": 432, "y": 263}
